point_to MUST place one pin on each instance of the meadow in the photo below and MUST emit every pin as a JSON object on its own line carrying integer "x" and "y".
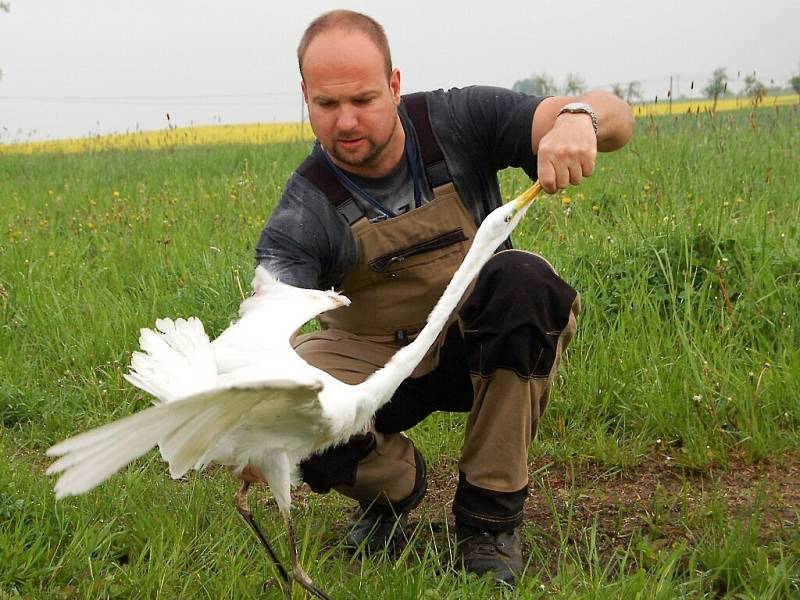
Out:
{"x": 666, "y": 465}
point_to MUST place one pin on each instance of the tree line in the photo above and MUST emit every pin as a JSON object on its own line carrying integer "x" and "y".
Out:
{"x": 542, "y": 84}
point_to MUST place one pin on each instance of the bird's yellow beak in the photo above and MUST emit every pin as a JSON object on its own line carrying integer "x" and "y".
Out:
{"x": 527, "y": 196}
{"x": 523, "y": 200}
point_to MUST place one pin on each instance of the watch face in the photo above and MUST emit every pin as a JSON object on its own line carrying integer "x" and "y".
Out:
{"x": 574, "y": 107}
{"x": 581, "y": 107}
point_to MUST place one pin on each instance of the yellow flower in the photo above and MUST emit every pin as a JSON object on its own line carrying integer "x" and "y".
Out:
{"x": 566, "y": 200}
{"x": 646, "y": 187}
{"x": 115, "y": 193}
{"x": 595, "y": 208}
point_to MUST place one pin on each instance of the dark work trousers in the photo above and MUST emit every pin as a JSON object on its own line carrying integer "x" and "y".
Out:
{"x": 498, "y": 363}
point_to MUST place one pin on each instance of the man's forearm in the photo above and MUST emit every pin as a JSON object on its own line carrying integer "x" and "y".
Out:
{"x": 614, "y": 118}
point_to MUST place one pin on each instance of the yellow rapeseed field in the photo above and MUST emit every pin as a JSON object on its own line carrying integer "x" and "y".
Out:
{"x": 266, "y": 133}
{"x": 698, "y": 106}
{"x": 254, "y": 133}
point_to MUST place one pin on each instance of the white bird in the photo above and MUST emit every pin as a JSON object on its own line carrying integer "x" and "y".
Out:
{"x": 248, "y": 399}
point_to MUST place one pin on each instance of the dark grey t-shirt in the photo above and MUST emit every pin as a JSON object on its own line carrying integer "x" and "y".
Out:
{"x": 481, "y": 130}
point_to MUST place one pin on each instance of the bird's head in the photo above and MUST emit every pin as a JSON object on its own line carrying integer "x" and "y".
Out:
{"x": 499, "y": 224}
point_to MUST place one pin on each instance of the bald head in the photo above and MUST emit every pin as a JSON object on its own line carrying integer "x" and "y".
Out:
{"x": 347, "y": 21}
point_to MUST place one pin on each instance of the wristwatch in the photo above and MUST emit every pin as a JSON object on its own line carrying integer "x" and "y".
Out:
{"x": 580, "y": 107}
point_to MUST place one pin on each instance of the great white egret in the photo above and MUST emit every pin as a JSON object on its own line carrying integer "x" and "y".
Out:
{"x": 248, "y": 399}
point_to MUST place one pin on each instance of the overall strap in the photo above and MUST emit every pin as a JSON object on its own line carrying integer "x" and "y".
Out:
{"x": 324, "y": 179}
{"x": 321, "y": 176}
{"x": 432, "y": 157}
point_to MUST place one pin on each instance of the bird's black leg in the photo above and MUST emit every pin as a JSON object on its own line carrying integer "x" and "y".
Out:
{"x": 243, "y": 506}
{"x": 299, "y": 575}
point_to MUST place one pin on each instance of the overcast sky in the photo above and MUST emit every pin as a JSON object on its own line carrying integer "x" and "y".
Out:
{"x": 90, "y": 66}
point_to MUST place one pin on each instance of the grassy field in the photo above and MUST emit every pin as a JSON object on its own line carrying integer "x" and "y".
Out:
{"x": 666, "y": 466}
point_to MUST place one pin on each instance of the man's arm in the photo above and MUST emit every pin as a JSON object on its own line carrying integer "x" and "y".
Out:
{"x": 566, "y": 145}
{"x": 306, "y": 242}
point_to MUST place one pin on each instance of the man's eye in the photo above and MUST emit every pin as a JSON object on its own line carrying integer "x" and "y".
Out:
{"x": 362, "y": 101}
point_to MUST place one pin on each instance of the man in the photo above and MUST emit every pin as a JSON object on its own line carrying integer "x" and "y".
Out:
{"x": 384, "y": 209}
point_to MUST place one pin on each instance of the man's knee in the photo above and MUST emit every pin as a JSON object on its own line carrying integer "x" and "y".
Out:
{"x": 515, "y": 314}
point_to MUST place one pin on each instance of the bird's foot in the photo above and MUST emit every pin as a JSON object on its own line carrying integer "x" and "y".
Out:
{"x": 298, "y": 574}
{"x": 304, "y": 581}
{"x": 243, "y": 506}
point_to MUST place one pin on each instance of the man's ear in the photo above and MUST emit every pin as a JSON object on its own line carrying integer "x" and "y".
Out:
{"x": 394, "y": 85}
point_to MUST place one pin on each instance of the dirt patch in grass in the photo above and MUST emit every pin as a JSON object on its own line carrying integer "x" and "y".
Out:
{"x": 656, "y": 503}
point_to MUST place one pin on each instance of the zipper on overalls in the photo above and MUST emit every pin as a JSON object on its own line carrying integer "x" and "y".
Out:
{"x": 382, "y": 263}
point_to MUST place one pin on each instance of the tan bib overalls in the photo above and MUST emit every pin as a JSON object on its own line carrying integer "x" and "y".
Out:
{"x": 404, "y": 264}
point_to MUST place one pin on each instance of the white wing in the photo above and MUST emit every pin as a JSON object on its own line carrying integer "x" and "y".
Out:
{"x": 267, "y": 320}
{"x": 186, "y": 430}
{"x": 177, "y": 360}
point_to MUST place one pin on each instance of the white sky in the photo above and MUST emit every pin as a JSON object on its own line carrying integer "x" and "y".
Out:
{"x": 90, "y": 66}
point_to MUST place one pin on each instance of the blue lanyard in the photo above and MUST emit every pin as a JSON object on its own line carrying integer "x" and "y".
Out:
{"x": 411, "y": 157}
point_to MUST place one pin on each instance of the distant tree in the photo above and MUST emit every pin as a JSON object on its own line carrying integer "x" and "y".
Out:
{"x": 633, "y": 91}
{"x": 795, "y": 81}
{"x": 540, "y": 84}
{"x": 574, "y": 85}
{"x": 754, "y": 88}
{"x": 717, "y": 85}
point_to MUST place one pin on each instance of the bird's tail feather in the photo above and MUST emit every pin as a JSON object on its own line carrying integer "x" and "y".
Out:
{"x": 187, "y": 431}
{"x": 90, "y": 458}
{"x": 176, "y": 360}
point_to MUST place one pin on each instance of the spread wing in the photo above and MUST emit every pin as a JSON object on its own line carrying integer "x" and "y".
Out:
{"x": 187, "y": 431}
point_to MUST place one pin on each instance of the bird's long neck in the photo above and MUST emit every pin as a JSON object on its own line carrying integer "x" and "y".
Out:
{"x": 379, "y": 388}
{"x": 403, "y": 363}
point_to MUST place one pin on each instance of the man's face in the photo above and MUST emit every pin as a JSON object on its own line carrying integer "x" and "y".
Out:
{"x": 352, "y": 105}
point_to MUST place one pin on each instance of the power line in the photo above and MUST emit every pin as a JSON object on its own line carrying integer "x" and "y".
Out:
{"x": 146, "y": 98}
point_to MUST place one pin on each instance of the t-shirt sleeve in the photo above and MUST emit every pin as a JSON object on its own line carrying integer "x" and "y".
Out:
{"x": 496, "y": 123}
{"x": 305, "y": 242}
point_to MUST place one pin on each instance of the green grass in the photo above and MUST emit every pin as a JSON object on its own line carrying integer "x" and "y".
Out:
{"x": 685, "y": 247}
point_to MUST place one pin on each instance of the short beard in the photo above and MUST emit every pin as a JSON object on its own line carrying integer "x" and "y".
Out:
{"x": 372, "y": 155}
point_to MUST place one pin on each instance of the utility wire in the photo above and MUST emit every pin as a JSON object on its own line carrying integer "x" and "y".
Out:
{"x": 146, "y": 98}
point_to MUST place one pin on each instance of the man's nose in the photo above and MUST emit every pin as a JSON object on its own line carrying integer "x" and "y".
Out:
{"x": 347, "y": 119}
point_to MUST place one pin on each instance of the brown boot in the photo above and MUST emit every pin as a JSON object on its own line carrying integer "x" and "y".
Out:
{"x": 379, "y": 527}
{"x": 371, "y": 530}
{"x": 496, "y": 552}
